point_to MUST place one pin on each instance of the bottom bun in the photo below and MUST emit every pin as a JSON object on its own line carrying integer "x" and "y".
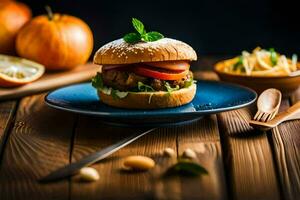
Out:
{"x": 151, "y": 100}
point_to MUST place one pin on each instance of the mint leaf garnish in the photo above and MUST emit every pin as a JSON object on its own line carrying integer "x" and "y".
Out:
{"x": 132, "y": 38}
{"x": 139, "y": 26}
{"x": 152, "y": 36}
{"x": 141, "y": 34}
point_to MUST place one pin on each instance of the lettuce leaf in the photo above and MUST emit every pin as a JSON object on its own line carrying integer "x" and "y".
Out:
{"x": 189, "y": 83}
{"x": 145, "y": 88}
{"x": 169, "y": 88}
{"x": 97, "y": 83}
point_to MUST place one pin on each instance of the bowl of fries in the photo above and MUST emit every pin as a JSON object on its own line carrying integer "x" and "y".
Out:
{"x": 261, "y": 69}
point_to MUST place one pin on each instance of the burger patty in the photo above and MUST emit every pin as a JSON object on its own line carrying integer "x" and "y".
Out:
{"x": 126, "y": 81}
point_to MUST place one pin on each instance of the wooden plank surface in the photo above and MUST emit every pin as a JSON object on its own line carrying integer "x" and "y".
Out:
{"x": 115, "y": 183}
{"x": 203, "y": 137}
{"x": 249, "y": 163}
{"x": 38, "y": 143}
{"x": 7, "y": 111}
{"x": 51, "y": 80}
{"x": 286, "y": 142}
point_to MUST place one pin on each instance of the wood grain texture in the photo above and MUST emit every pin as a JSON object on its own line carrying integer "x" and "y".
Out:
{"x": 286, "y": 141}
{"x": 38, "y": 143}
{"x": 165, "y": 188}
{"x": 249, "y": 161}
{"x": 203, "y": 137}
{"x": 114, "y": 183}
{"x": 295, "y": 97}
{"x": 50, "y": 81}
{"x": 7, "y": 111}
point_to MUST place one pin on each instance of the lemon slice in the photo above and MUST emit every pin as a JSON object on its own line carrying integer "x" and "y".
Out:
{"x": 15, "y": 71}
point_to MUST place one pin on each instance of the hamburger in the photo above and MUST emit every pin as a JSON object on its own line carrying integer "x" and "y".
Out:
{"x": 145, "y": 71}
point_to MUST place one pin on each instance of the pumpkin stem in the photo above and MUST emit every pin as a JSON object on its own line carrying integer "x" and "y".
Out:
{"x": 49, "y": 12}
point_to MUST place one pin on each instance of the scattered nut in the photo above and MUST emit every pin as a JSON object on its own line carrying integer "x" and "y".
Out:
{"x": 139, "y": 162}
{"x": 189, "y": 153}
{"x": 169, "y": 152}
{"x": 126, "y": 169}
{"x": 89, "y": 174}
{"x": 201, "y": 148}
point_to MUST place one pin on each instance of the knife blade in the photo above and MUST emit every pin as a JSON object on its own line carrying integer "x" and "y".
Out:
{"x": 74, "y": 168}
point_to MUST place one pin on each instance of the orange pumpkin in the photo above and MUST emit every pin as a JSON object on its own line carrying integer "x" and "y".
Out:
{"x": 13, "y": 15}
{"x": 57, "y": 41}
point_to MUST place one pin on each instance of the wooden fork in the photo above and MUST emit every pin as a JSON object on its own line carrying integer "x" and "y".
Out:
{"x": 268, "y": 105}
{"x": 291, "y": 113}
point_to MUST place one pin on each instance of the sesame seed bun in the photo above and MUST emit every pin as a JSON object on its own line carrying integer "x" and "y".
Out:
{"x": 151, "y": 100}
{"x": 166, "y": 49}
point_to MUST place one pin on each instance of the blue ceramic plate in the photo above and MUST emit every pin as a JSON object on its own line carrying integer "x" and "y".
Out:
{"x": 211, "y": 97}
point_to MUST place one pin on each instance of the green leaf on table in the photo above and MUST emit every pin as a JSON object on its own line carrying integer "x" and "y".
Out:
{"x": 186, "y": 168}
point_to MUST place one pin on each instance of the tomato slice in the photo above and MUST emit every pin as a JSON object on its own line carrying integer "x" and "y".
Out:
{"x": 171, "y": 65}
{"x": 161, "y": 74}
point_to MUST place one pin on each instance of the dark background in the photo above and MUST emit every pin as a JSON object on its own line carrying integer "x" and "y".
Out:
{"x": 212, "y": 27}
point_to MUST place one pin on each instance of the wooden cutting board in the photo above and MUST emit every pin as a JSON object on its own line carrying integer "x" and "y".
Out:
{"x": 51, "y": 80}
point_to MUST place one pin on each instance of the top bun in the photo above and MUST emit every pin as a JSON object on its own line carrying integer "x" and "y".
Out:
{"x": 166, "y": 49}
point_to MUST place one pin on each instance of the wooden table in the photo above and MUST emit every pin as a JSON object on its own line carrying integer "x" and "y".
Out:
{"x": 243, "y": 163}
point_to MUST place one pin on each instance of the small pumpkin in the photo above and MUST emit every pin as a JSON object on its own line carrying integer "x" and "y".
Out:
{"x": 57, "y": 41}
{"x": 13, "y": 15}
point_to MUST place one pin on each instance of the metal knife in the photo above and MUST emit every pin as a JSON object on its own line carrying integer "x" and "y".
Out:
{"x": 74, "y": 168}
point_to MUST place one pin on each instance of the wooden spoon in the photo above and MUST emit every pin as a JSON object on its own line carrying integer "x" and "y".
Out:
{"x": 268, "y": 105}
{"x": 290, "y": 114}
